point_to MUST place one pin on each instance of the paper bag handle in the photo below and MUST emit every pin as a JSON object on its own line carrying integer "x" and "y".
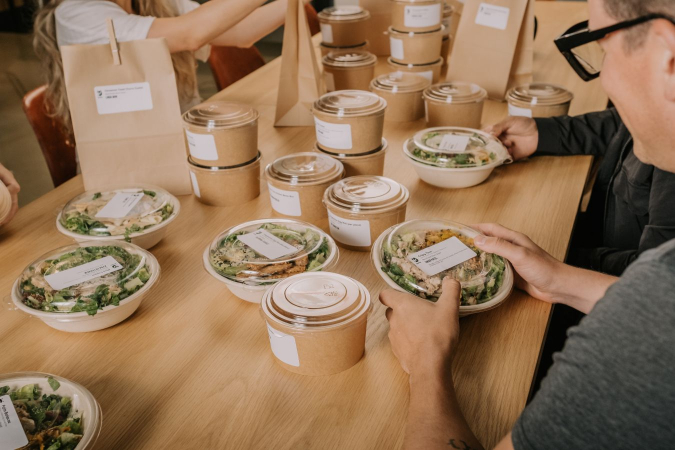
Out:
{"x": 113, "y": 42}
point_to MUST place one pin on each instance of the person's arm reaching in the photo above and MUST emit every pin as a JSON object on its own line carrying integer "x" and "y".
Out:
{"x": 13, "y": 187}
{"x": 255, "y": 26}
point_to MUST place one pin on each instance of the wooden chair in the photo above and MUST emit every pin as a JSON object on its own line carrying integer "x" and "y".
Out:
{"x": 57, "y": 147}
{"x": 231, "y": 64}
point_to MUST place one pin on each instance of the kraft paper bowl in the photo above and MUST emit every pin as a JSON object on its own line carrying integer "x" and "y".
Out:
{"x": 226, "y": 186}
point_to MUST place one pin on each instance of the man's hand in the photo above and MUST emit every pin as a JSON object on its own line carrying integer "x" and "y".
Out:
{"x": 13, "y": 187}
{"x": 518, "y": 134}
{"x": 423, "y": 334}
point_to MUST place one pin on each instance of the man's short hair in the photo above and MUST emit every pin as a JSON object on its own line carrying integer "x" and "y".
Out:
{"x": 630, "y": 9}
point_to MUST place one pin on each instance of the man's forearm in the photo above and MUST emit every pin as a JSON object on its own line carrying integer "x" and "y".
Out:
{"x": 255, "y": 26}
{"x": 580, "y": 288}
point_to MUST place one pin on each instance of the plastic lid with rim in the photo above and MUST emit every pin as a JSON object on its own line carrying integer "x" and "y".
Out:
{"x": 455, "y": 92}
{"x": 481, "y": 277}
{"x": 400, "y": 82}
{"x": 350, "y": 103}
{"x": 305, "y": 168}
{"x": 542, "y": 94}
{"x": 106, "y": 212}
{"x": 448, "y": 9}
{"x": 275, "y": 249}
{"x": 84, "y": 277}
{"x": 393, "y": 63}
{"x": 219, "y": 115}
{"x": 456, "y": 148}
{"x": 368, "y": 194}
{"x": 316, "y": 301}
{"x": 344, "y": 13}
{"x": 5, "y": 202}
{"x": 349, "y": 59}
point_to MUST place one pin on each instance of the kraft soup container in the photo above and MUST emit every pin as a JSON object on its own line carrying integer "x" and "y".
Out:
{"x": 326, "y": 49}
{"x": 454, "y": 157}
{"x": 455, "y": 104}
{"x": 221, "y": 134}
{"x": 539, "y": 100}
{"x": 317, "y": 322}
{"x": 371, "y": 163}
{"x": 5, "y": 202}
{"x": 416, "y": 256}
{"x": 296, "y": 184}
{"x": 349, "y": 122}
{"x": 416, "y": 15}
{"x": 251, "y": 257}
{"x": 225, "y": 186}
{"x": 403, "y": 93}
{"x": 343, "y": 26}
{"x": 87, "y": 286}
{"x": 348, "y": 70}
{"x": 415, "y": 48}
{"x": 360, "y": 208}
{"x": 431, "y": 72}
{"x": 140, "y": 214}
{"x": 74, "y": 416}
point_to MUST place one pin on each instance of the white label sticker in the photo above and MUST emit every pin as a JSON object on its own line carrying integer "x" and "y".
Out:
{"x": 396, "y": 48}
{"x": 327, "y": 33}
{"x": 120, "y": 205}
{"x": 454, "y": 143}
{"x": 120, "y": 98}
{"x": 492, "y": 16}
{"x": 346, "y": 2}
{"x": 330, "y": 81}
{"x": 441, "y": 256}
{"x": 195, "y": 185}
{"x": 82, "y": 273}
{"x": 284, "y": 347}
{"x": 518, "y": 111}
{"x": 202, "y": 146}
{"x": 349, "y": 232}
{"x": 11, "y": 432}
{"x": 266, "y": 244}
{"x": 285, "y": 202}
{"x": 422, "y": 16}
{"x": 332, "y": 135}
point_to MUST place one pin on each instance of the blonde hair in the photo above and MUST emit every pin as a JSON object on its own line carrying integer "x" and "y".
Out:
{"x": 47, "y": 50}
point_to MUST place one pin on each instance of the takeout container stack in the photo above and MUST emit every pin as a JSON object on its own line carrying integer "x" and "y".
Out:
{"x": 539, "y": 100}
{"x": 343, "y": 28}
{"x": 348, "y": 70}
{"x": 5, "y": 202}
{"x": 455, "y": 104}
{"x": 403, "y": 93}
{"x": 223, "y": 156}
{"x": 349, "y": 127}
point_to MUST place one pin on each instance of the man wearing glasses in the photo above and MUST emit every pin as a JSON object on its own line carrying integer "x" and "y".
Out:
{"x": 613, "y": 385}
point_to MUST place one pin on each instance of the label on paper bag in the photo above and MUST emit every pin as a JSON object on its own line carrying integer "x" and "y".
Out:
{"x": 517, "y": 111}
{"x": 120, "y": 205}
{"x": 349, "y": 232}
{"x": 83, "y": 273}
{"x": 396, "y": 48}
{"x": 492, "y": 16}
{"x": 442, "y": 256}
{"x": 120, "y": 98}
{"x": 11, "y": 432}
{"x": 202, "y": 146}
{"x": 329, "y": 78}
{"x": 333, "y": 136}
{"x": 327, "y": 33}
{"x": 422, "y": 16}
{"x": 454, "y": 143}
{"x": 267, "y": 244}
{"x": 285, "y": 202}
{"x": 284, "y": 347}
{"x": 195, "y": 185}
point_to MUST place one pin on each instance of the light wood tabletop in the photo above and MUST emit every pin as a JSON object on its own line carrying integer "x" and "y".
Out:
{"x": 192, "y": 368}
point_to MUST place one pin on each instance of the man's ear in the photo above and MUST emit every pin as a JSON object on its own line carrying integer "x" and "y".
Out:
{"x": 663, "y": 33}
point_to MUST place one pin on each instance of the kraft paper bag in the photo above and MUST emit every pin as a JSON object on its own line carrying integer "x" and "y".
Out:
{"x": 126, "y": 115}
{"x": 494, "y": 45}
{"x": 378, "y": 24}
{"x": 300, "y": 82}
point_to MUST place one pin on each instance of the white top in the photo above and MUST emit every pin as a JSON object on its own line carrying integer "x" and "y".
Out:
{"x": 84, "y": 22}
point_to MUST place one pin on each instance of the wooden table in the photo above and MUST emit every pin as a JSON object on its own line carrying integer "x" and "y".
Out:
{"x": 192, "y": 368}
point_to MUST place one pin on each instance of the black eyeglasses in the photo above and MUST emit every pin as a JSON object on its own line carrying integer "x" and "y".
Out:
{"x": 580, "y": 45}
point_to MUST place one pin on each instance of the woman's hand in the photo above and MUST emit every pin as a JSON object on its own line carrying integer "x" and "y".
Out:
{"x": 519, "y": 135}
{"x": 13, "y": 187}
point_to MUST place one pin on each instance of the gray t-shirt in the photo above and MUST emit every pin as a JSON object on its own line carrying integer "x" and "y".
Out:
{"x": 613, "y": 384}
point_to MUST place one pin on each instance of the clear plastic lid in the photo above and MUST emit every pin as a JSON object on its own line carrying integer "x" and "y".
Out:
{"x": 455, "y": 92}
{"x": 396, "y": 64}
{"x": 350, "y": 103}
{"x": 366, "y": 194}
{"x": 542, "y": 94}
{"x": 219, "y": 115}
{"x": 481, "y": 276}
{"x": 456, "y": 147}
{"x": 349, "y": 59}
{"x": 266, "y": 250}
{"x": 313, "y": 301}
{"x": 343, "y": 13}
{"x": 5, "y": 202}
{"x": 84, "y": 277}
{"x": 118, "y": 211}
{"x": 305, "y": 168}
{"x": 400, "y": 82}
{"x": 448, "y": 9}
